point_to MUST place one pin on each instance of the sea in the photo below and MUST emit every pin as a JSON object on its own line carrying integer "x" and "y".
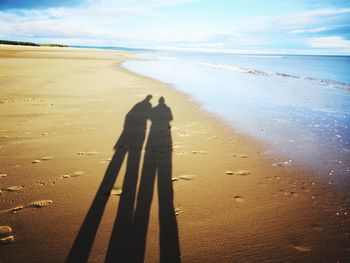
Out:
{"x": 299, "y": 105}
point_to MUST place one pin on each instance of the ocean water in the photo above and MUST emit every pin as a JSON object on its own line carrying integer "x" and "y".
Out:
{"x": 299, "y": 105}
{"x": 115, "y": 48}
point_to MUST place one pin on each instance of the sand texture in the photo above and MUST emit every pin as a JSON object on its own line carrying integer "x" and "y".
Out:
{"x": 89, "y": 171}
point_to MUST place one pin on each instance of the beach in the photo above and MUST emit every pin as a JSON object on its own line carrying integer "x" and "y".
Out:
{"x": 67, "y": 142}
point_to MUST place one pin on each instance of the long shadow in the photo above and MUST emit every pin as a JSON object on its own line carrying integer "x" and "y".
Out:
{"x": 129, "y": 143}
{"x": 128, "y": 242}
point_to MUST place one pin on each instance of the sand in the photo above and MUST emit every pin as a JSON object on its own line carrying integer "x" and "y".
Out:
{"x": 221, "y": 195}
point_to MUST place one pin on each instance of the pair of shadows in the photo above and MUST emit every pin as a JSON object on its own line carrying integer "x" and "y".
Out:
{"x": 129, "y": 233}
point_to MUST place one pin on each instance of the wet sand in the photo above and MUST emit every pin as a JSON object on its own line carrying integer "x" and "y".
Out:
{"x": 221, "y": 195}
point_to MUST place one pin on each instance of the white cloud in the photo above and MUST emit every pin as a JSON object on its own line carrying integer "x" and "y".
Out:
{"x": 310, "y": 17}
{"x": 95, "y": 19}
{"x": 148, "y": 3}
{"x": 310, "y": 30}
{"x": 145, "y": 23}
{"x": 336, "y": 44}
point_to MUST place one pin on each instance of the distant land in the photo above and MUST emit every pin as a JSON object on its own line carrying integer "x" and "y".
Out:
{"x": 116, "y": 48}
{"x": 24, "y": 43}
{"x": 17, "y": 43}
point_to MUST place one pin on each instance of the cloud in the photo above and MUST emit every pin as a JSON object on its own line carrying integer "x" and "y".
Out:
{"x": 152, "y": 23}
{"x": 279, "y": 32}
{"x": 103, "y": 22}
{"x": 334, "y": 42}
{"x": 312, "y": 17}
{"x": 310, "y": 30}
{"x": 315, "y": 21}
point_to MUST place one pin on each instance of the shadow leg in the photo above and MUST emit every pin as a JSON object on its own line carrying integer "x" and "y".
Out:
{"x": 142, "y": 212}
{"x": 169, "y": 238}
{"x": 119, "y": 244}
{"x": 82, "y": 245}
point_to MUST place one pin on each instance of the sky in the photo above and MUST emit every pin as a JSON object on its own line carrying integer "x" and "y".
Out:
{"x": 234, "y": 26}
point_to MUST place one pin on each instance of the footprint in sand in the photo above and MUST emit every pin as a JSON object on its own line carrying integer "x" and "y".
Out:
{"x": 316, "y": 227}
{"x": 238, "y": 172}
{"x": 299, "y": 244}
{"x": 178, "y": 210}
{"x": 293, "y": 185}
{"x": 17, "y": 208}
{"x": 91, "y": 153}
{"x": 286, "y": 193}
{"x": 116, "y": 191}
{"x": 40, "y": 203}
{"x": 199, "y": 152}
{"x": 14, "y": 188}
{"x": 88, "y": 153}
{"x": 77, "y": 173}
{"x": 282, "y": 164}
{"x": 182, "y": 134}
{"x": 46, "y": 158}
{"x": 5, "y": 231}
{"x": 239, "y": 155}
{"x": 293, "y": 194}
{"x": 177, "y": 145}
{"x": 212, "y": 137}
{"x": 5, "y": 235}
{"x": 186, "y": 177}
{"x": 283, "y": 192}
{"x": 302, "y": 248}
{"x": 305, "y": 189}
{"x": 239, "y": 199}
{"x": 34, "y": 204}
{"x": 105, "y": 161}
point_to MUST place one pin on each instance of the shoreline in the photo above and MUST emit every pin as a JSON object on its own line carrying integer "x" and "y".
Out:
{"x": 299, "y": 124}
{"x": 61, "y": 121}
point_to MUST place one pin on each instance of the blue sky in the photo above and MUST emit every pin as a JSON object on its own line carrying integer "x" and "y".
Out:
{"x": 238, "y": 26}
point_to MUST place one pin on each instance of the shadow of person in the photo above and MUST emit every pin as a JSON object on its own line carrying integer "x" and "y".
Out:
{"x": 130, "y": 142}
{"x": 157, "y": 164}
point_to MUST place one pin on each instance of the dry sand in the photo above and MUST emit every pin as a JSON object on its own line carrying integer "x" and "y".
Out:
{"x": 61, "y": 113}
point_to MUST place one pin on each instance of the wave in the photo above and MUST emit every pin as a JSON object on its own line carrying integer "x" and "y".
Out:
{"x": 261, "y": 56}
{"x": 323, "y": 82}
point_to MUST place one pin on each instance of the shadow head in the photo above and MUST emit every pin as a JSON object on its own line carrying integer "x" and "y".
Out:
{"x": 148, "y": 97}
{"x": 161, "y": 100}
